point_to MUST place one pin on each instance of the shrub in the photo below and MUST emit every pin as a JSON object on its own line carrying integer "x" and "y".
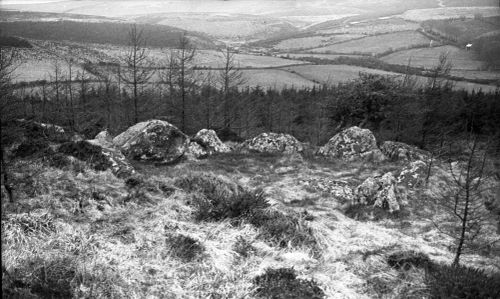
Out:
{"x": 282, "y": 283}
{"x": 58, "y": 160}
{"x": 30, "y": 147}
{"x": 221, "y": 206}
{"x": 134, "y": 182}
{"x": 243, "y": 247}
{"x": 41, "y": 279}
{"x": 184, "y": 247}
{"x": 407, "y": 259}
{"x": 87, "y": 152}
{"x": 462, "y": 282}
{"x": 207, "y": 184}
{"x": 216, "y": 199}
{"x": 283, "y": 229}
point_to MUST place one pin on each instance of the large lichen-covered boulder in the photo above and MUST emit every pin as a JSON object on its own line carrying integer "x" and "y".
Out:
{"x": 399, "y": 151}
{"x": 209, "y": 140}
{"x": 99, "y": 157}
{"x": 272, "y": 143}
{"x": 154, "y": 140}
{"x": 351, "y": 144}
{"x": 381, "y": 192}
{"x": 413, "y": 175}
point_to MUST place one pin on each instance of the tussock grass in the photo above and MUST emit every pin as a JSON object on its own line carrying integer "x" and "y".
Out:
{"x": 283, "y": 283}
{"x": 78, "y": 228}
{"x": 184, "y": 247}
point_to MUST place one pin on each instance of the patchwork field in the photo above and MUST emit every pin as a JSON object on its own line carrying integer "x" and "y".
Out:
{"x": 429, "y": 57}
{"x": 314, "y": 41}
{"x": 378, "y": 44}
{"x": 471, "y": 74}
{"x": 44, "y": 70}
{"x": 380, "y": 26}
{"x": 333, "y": 74}
{"x": 275, "y": 78}
{"x": 419, "y": 15}
{"x": 314, "y": 55}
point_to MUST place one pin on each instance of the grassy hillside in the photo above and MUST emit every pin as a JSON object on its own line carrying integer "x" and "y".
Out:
{"x": 99, "y": 32}
{"x": 75, "y": 231}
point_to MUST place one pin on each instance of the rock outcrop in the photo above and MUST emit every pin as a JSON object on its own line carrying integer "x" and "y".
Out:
{"x": 338, "y": 189}
{"x": 272, "y": 143}
{"x": 399, "y": 151}
{"x": 413, "y": 175}
{"x": 104, "y": 138}
{"x": 154, "y": 140}
{"x": 351, "y": 144}
{"x": 195, "y": 151}
{"x": 98, "y": 156}
{"x": 380, "y": 192}
{"x": 209, "y": 140}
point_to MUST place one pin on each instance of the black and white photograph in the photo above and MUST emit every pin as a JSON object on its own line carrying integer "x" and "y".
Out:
{"x": 250, "y": 149}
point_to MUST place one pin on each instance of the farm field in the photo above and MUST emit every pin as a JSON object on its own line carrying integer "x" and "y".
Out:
{"x": 418, "y": 15}
{"x": 43, "y": 70}
{"x": 471, "y": 74}
{"x": 207, "y": 58}
{"x": 429, "y": 57}
{"x": 379, "y": 26}
{"x": 378, "y": 44}
{"x": 314, "y": 55}
{"x": 274, "y": 78}
{"x": 334, "y": 74}
{"x": 452, "y": 3}
{"x": 474, "y": 86}
{"x": 314, "y": 41}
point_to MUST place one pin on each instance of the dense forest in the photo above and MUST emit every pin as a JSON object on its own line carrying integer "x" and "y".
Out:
{"x": 392, "y": 109}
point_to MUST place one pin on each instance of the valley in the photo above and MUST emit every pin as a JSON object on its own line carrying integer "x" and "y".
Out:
{"x": 260, "y": 33}
{"x": 288, "y": 149}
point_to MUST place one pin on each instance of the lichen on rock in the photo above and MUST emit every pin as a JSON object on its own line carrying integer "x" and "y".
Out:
{"x": 273, "y": 143}
{"x": 154, "y": 140}
{"x": 351, "y": 144}
{"x": 399, "y": 151}
{"x": 413, "y": 175}
{"x": 209, "y": 140}
{"x": 382, "y": 192}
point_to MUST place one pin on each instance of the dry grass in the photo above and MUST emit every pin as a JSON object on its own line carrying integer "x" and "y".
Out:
{"x": 87, "y": 240}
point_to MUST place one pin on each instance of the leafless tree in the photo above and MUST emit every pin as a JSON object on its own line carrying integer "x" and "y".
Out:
{"x": 168, "y": 77}
{"x": 138, "y": 69}
{"x": 438, "y": 73}
{"x": 56, "y": 77}
{"x": 9, "y": 110}
{"x": 464, "y": 201}
{"x": 229, "y": 77}
{"x": 185, "y": 76}
{"x": 69, "y": 86}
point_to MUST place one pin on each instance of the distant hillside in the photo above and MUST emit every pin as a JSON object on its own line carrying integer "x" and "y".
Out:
{"x": 483, "y": 33}
{"x": 100, "y": 32}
